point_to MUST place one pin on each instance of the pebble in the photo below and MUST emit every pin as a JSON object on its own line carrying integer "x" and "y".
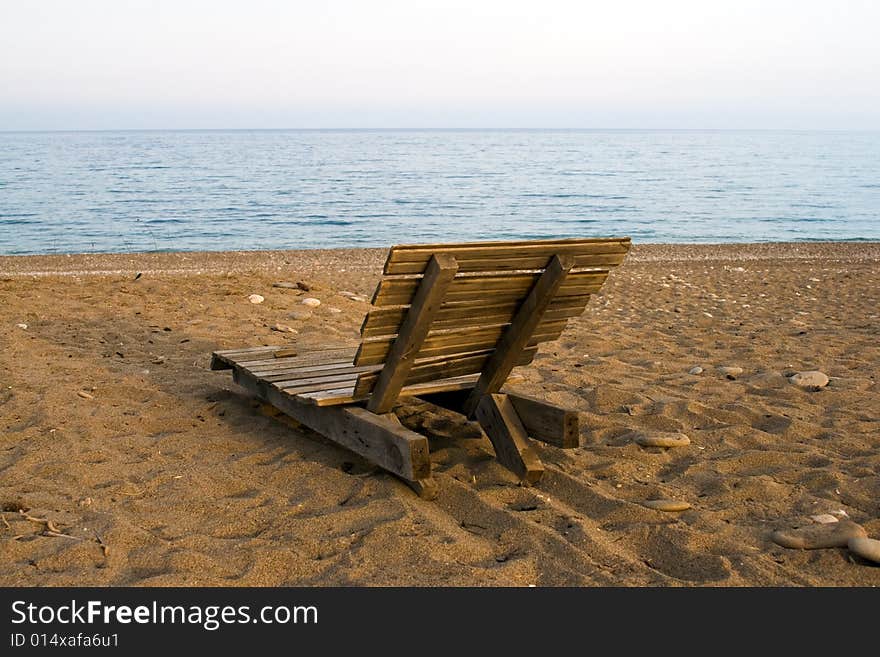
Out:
{"x": 300, "y": 314}
{"x": 158, "y": 360}
{"x": 824, "y": 518}
{"x": 287, "y": 285}
{"x": 335, "y": 311}
{"x": 21, "y": 326}
{"x": 815, "y": 537}
{"x": 696, "y": 370}
{"x": 256, "y": 298}
{"x": 283, "y": 328}
{"x": 866, "y": 548}
{"x": 667, "y": 505}
{"x": 358, "y": 297}
{"x": 84, "y": 394}
{"x": 311, "y": 301}
{"x": 662, "y": 439}
{"x": 812, "y": 380}
{"x": 731, "y": 372}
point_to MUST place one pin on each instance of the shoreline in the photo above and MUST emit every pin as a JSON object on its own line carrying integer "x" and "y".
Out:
{"x": 368, "y": 258}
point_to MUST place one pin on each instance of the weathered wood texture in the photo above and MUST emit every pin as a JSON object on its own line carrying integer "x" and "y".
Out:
{"x": 519, "y": 333}
{"x": 380, "y": 440}
{"x": 499, "y": 256}
{"x": 401, "y": 354}
{"x": 546, "y": 422}
{"x": 502, "y": 425}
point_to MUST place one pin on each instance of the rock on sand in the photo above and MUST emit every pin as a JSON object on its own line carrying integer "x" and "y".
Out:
{"x": 866, "y": 548}
{"x": 696, "y": 370}
{"x": 667, "y": 505}
{"x": 814, "y": 537}
{"x": 662, "y": 439}
{"x": 812, "y": 380}
{"x": 256, "y": 298}
{"x": 730, "y": 372}
{"x": 311, "y": 301}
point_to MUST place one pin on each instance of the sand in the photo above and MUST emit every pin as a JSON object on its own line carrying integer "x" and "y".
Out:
{"x": 154, "y": 470}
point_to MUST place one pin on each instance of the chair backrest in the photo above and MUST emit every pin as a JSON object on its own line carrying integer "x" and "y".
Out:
{"x": 477, "y": 306}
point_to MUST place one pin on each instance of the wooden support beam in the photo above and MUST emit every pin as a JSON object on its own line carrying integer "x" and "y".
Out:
{"x": 499, "y": 420}
{"x": 551, "y": 424}
{"x": 378, "y": 439}
{"x": 519, "y": 333}
{"x": 438, "y": 276}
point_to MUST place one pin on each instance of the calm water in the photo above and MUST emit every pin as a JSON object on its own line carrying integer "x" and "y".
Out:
{"x": 189, "y": 190}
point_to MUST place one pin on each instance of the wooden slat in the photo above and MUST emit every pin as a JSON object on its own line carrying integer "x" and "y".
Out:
{"x": 305, "y": 370}
{"x": 519, "y": 334}
{"x": 402, "y": 353}
{"x": 494, "y": 288}
{"x": 314, "y": 372}
{"x": 441, "y": 368}
{"x": 384, "y": 321}
{"x": 308, "y": 358}
{"x": 509, "y": 263}
{"x": 408, "y": 259}
{"x": 458, "y": 341}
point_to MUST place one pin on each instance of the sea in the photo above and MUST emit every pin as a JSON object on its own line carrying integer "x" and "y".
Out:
{"x": 126, "y": 191}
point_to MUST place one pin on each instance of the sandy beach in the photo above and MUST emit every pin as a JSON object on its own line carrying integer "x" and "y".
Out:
{"x": 125, "y": 461}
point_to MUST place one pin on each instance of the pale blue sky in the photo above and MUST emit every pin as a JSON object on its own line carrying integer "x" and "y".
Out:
{"x": 108, "y": 64}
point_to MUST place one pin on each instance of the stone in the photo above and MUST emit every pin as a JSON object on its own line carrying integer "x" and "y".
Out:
{"x": 84, "y": 394}
{"x": 824, "y": 518}
{"x": 21, "y": 326}
{"x": 335, "y": 311}
{"x": 866, "y": 548}
{"x": 812, "y": 380}
{"x": 256, "y": 298}
{"x": 287, "y": 285}
{"x": 731, "y": 372}
{"x": 283, "y": 328}
{"x": 668, "y": 505}
{"x": 662, "y": 439}
{"x": 311, "y": 302}
{"x": 300, "y": 314}
{"x": 814, "y": 537}
{"x": 696, "y": 370}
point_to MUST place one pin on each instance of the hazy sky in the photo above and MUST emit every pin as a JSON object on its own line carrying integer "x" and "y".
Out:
{"x": 105, "y": 64}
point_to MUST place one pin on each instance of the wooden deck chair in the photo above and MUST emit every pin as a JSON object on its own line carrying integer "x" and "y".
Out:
{"x": 449, "y": 323}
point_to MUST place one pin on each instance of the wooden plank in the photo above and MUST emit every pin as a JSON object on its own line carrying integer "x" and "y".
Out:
{"x": 518, "y": 263}
{"x": 376, "y": 438}
{"x": 441, "y": 369}
{"x": 314, "y": 372}
{"x": 456, "y": 342}
{"x": 519, "y": 333}
{"x": 493, "y": 287}
{"x": 499, "y": 421}
{"x": 404, "y": 259}
{"x": 342, "y": 396}
{"x": 384, "y": 321}
{"x": 542, "y": 421}
{"x": 401, "y": 355}
{"x": 305, "y": 358}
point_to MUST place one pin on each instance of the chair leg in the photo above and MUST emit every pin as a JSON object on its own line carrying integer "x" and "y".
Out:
{"x": 498, "y": 418}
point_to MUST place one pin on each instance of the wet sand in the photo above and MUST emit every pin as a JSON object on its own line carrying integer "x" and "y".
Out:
{"x": 154, "y": 470}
